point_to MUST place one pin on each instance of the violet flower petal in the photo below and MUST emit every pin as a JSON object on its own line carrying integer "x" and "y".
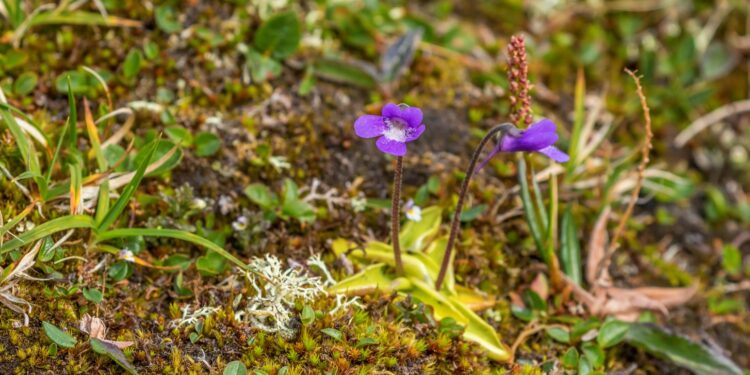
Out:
{"x": 538, "y": 136}
{"x": 555, "y": 154}
{"x": 411, "y": 115}
{"x": 390, "y": 146}
{"x": 369, "y": 126}
{"x": 413, "y": 134}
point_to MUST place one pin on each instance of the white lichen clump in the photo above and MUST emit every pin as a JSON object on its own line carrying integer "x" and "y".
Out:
{"x": 271, "y": 308}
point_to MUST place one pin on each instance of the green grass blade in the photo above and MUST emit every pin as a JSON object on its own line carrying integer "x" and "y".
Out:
{"x": 43, "y": 230}
{"x": 541, "y": 209}
{"x": 129, "y": 189}
{"x": 570, "y": 248}
{"x": 79, "y": 17}
{"x": 576, "y": 143}
{"x": 17, "y": 219}
{"x": 170, "y": 233}
{"x": 528, "y": 209}
{"x": 102, "y": 205}
{"x": 75, "y": 189}
{"x": 552, "y": 226}
{"x": 72, "y": 120}
{"x": 26, "y": 148}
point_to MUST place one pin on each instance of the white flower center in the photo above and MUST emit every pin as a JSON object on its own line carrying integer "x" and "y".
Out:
{"x": 396, "y": 130}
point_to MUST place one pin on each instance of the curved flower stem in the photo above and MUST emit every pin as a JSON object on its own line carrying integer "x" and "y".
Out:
{"x": 456, "y": 223}
{"x": 396, "y": 215}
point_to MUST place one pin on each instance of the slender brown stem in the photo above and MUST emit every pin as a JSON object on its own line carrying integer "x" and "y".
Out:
{"x": 456, "y": 223}
{"x": 396, "y": 215}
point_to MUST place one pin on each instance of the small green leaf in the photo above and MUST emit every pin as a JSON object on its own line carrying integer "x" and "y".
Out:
{"x": 47, "y": 251}
{"x": 581, "y": 328}
{"x": 611, "y": 333}
{"x": 261, "y": 195}
{"x": 308, "y": 315}
{"x": 731, "y": 259}
{"x": 235, "y": 368}
{"x": 206, "y": 144}
{"x": 25, "y": 83}
{"x": 194, "y": 337}
{"x": 473, "y": 213}
{"x": 151, "y": 50}
{"x": 593, "y": 353}
{"x": 293, "y": 206}
{"x": 132, "y": 65}
{"x": 365, "y": 341}
{"x": 59, "y": 336}
{"x": 570, "y": 358}
{"x": 360, "y": 75}
{"x": 696, "y": 357}
{"x": 279, "y": 35}
{"x": 584, "y": 366}
{"x": 166, "y": 19}
{"x": 334, "y": 333}
{"x": 114, "y": 353}
{"x": 121, "y": 270}
{"x": 261, "y": 67}
{"x": 94, "y": 295}
{"x": 179, "y": 135}
{"x": 211, "y": 264}
{"x": 559, "y": 334}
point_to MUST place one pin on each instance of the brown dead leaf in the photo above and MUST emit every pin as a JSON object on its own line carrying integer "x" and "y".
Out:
{"x": 540, "y": 286}
{"x": 597, "y": 249}
{"x": 96, "y": 329}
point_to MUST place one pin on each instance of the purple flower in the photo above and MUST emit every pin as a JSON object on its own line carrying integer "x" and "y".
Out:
{"x": 539, "y": 137}
{"x": 398, "y": 125}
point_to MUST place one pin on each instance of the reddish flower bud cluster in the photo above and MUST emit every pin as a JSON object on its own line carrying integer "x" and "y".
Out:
{"x": 520, "y": 102}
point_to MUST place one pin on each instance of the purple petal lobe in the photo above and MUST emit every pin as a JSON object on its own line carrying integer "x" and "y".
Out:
{"x": 538, "y": 136}
{"x": 486, "y": 160}
{"x": 391, "y": 110}
{"x": 555, "y": 154}
{"x": 413, "y": 134}
{"x": 369, "y": 126}
{"x": 390, "y": 146}
{"x": 411, "y": 115}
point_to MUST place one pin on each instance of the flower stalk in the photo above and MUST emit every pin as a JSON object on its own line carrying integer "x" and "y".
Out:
{"x": 456, "y": 222}
{"x": 396, "y": 215}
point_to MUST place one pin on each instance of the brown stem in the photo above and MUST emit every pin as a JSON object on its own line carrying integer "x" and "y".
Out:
{"x": 396, "y": 215}
{"x": 456, "y": 223}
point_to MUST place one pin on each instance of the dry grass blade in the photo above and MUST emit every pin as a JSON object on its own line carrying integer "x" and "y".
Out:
{"x": 8, "y": 283}
{"x": 714, "y": 117}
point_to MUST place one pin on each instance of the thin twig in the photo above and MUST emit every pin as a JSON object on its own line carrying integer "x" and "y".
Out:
{"x": 530, "y": 329}
{"x": 645, "y": 152}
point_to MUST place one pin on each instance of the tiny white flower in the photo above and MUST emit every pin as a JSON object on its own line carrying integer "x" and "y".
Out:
{"x": 413, "y": 212}
{"x": 126, "y": 255}
{"x": 240, "y": 224}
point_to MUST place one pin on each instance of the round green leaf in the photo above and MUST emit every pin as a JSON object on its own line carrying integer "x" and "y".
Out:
{"x": 279, "y": 35}
{"x": 206, "y": 144}
{"x": 611, "y": 333}
{"x": 235, "y": 368}
{"x": 25, "y": 83}
{"x": 59, "y": 336}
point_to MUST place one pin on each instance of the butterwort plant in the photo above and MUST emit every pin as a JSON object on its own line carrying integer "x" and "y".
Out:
{"x": 396, "y": 126}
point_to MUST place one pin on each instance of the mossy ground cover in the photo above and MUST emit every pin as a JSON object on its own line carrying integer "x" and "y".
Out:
{"x": 263, "y": 111}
